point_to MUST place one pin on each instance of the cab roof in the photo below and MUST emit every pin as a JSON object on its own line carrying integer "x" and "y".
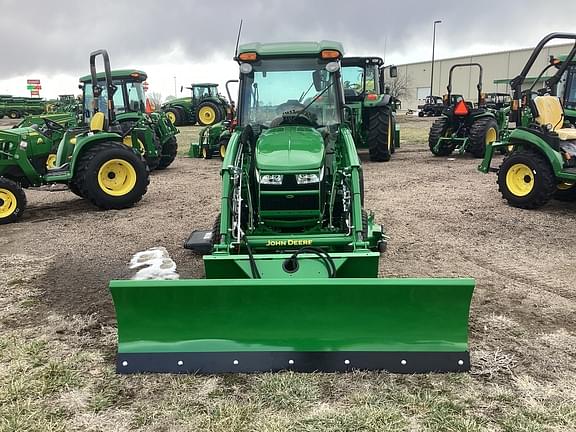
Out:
{"x": 204, "y": 85}
{"x": 120, "y": 73}
{"x": 290, "y": 48}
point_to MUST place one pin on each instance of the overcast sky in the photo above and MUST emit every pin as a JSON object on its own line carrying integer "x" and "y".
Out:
{"x": 194, "y": 40}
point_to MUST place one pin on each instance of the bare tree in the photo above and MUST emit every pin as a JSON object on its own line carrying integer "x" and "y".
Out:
{"x": 155, "y": 99}
{"x": 399, "y": 86}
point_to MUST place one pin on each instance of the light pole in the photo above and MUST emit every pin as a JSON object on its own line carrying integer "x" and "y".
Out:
{"x": 433, "y": 46}
{"x": 175, "y": 94}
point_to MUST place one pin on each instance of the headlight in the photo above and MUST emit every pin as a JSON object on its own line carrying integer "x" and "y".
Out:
{"x": 307, "y": 178}
{"x": 23, "y": 145}
{"x": 271, "y": 179}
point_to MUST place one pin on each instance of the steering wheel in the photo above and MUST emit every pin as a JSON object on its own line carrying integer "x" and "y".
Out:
{"x": 291, "y": 105}
{"x": 52, "y": 125}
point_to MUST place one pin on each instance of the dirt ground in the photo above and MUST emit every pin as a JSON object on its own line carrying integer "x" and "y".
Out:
{"x": 57, "y": 325}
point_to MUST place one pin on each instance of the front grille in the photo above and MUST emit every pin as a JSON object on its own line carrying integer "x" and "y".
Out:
{"x": 290, "y": 202}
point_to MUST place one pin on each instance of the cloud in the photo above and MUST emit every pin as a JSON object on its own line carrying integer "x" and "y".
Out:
{"x": 50, "y": 38}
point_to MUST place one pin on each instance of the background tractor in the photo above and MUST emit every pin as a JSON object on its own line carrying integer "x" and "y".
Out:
{"x": 92, "y": 161}
{"x": 371, "y": 112}
{"x": 292, "y": 259}
{"x": 213, "y": 140}
{"x": 542, "y": 162}
{"x": 18, "y": 107}
{"x": 205, "y": 106}
{"x": 434, "y": 105}
{"x": 567, "y": 89}
{"x": 463, "y": 127}
{"x": 158, "y": 145}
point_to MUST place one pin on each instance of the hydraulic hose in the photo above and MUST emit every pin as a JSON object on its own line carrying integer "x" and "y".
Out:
{"x": 292, "y": 262}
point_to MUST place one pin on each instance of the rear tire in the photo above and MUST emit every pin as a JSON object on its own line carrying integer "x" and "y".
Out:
{"x": 440, "y": 128}
{"x": 482, "y": 132}
{"x": 12, "y": 201}
{"x": 111, "y": 176}
{"x": 13, "y": 115}
{"x": 379, "y": 138}
{"x": 169, "y": 152}
{"x": 393, "y": 131}
{"x": 526, "y": 179}
{"x": 208, "y": 113}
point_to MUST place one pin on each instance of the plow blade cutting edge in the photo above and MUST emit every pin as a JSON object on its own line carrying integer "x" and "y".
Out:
{"x": 252, "y": 325}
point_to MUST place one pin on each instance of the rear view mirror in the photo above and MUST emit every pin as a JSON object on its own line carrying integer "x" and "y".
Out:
{"x": 393, "y": 71}
{"x": 317, "y": 78}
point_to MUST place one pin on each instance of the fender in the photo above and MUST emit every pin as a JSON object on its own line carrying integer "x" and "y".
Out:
{"x": 83, "y": 143}
{"x": 529, "y": 140}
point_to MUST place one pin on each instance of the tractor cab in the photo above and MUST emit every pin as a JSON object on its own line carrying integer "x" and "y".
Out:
{"x": 203, "y": 90}
{"x": 361, "y": 78}
{"x": 128, "y": 95}
{"x": 566, "y": 88}
{"x": 290, "y": 109}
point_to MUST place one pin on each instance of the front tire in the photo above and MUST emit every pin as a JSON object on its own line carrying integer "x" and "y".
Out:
{"x": 174, "y": 116}
{"x": 565, "y": 193}
{"x": 169, "y": 152}
{"x": 12, "y": 201}
{"x": 482, "y": 132}
{"x": 222, "y": 146}
{"x": 526, "y": 179}
{"x": 111, "y": 176}
{"x": 379, "y": 136}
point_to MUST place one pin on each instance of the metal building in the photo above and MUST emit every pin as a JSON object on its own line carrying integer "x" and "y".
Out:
{"x": 499, "y": 68}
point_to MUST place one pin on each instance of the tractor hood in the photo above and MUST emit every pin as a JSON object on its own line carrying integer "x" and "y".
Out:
{"x": 289, "y": 148}
{"x": 177, "y": 101}
{"x": 22, "y": 133}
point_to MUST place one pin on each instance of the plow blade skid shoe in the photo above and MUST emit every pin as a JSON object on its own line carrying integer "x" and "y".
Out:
{"x": 329, "y": 325}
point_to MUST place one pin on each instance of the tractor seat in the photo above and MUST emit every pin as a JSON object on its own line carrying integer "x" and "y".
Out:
{"x": 97, "y": 122}
{"x": 551, "y": 114}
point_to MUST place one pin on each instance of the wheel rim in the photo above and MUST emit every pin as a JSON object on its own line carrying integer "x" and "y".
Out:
{"x": 520, "y": 179}
{"x": 8, "y": 203}
{"x": 207, "y": 114}
{"x": 171, "y": 116}
{"x": 204, "y": 152}
{"x": 491, "y": 136}
{"x": 51, "y": 161}
{"x": 222, "y": 151}
{"x": 117, "y": 177}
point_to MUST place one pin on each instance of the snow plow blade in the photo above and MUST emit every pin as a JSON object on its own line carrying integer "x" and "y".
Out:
{"x": 328, "y": 325}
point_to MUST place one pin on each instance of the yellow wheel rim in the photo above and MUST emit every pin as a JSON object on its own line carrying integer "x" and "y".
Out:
{"x": 51, "y": 161}
{"x": 520, "y": 179}
{"x": 565, "y": 186}
{"x": 491, "y": 136}
{"x": 117, "y": 177}
{"x": 8, "y": 203}
{"x": 207, "y": 115}
{"x": 204, "y": 152}
{"x": 222, "y": 151}
{"x": 171, "y": 116}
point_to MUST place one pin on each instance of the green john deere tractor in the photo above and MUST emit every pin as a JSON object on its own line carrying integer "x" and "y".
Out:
{"x": 292, "y": 260}
{"x": 371, "y": 111}
{"x": 213, "y": 140}
{"x": 205, "y": 107}
{"x": 92, "y": 161}
{"x": 464, "y": 128}
{"x": 158, "y": 145}
{"x": 542, "y": 162}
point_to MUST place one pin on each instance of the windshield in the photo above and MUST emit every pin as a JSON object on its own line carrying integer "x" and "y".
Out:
{"x": 570, "y": 90}
{"x": 134, "y": 96}
{"x": 279, "y": 86}
{"x": 202, "y": 92}
{"x": 353, "y": 79}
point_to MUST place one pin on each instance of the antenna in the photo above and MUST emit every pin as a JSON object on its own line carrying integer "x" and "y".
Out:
{"x": 238, "y": 41}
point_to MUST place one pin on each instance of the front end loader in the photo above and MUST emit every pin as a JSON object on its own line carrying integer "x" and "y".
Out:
{"x": 291, "y": 263}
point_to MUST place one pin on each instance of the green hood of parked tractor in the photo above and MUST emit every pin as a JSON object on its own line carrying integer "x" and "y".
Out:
{"x": 291, "y": 148}
{"x": 178, "y": 101}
